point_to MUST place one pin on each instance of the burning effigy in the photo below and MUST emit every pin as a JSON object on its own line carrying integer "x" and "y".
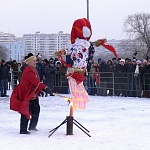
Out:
{"x": 77, "y": 56}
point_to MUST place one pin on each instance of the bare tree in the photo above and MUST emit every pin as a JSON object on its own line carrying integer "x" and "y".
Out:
{"x": 138, "y": 26}
{"x": 4, "y": 52}
{"x": 132, "y": 47}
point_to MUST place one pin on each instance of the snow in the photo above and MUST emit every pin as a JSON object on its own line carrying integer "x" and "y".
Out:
{"x": 115, "y": 123}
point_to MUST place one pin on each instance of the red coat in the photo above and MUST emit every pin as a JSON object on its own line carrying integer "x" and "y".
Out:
{"x": 28, "y": 88}
{"x": 96, "y": 76}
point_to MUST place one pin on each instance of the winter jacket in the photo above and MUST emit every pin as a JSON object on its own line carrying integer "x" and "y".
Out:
{"x": 4, "y": 72}
{"x": 28, "y": 89}
{"x": 15, "y": 68}
{"x": 40, "y": 70}
{"x": 50, "y": 71}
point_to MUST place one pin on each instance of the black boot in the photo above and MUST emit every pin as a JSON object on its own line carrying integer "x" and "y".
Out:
{"x": 33, "y": 123}
{"x": 24, "y": 132}
{"x": 35, "y": 111}
{"x": 23, "y": 125}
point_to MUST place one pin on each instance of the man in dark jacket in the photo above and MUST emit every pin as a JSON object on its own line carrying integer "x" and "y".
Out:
{"x": 131, "y": 80}
{"x": 40, "y": 69}
{"x": 4, "y": 76}
{"x": 14, "y": 66}
{"x": 50, "y": 73}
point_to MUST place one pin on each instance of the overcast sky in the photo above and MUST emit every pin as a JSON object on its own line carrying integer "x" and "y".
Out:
{"x": 51, "y": 16}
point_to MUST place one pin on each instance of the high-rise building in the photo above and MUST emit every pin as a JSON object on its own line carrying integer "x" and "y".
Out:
{"x": 7, "y": 38}
{"x": 14, "y": 45}
{"x": 45, "y": 44}
{"x": 16, "y": 50}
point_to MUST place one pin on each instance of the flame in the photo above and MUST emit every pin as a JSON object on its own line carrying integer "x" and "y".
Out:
{"x": 68, "y": 98}
{"x": 71, "y": 103}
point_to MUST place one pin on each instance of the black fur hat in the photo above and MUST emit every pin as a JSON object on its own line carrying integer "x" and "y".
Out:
{"x": 29, "y": 58}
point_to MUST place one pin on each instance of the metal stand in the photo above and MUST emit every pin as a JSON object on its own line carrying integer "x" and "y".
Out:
{"x": 69, "y": 131}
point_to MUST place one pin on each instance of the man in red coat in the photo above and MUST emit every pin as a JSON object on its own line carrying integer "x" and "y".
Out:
{"x": 24, "y": 98}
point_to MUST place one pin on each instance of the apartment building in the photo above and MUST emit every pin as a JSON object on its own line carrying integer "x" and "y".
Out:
{"x": 45, "y": 44}
{"x": 7, "y": 38}
{"x": 16, "y": 50}
{"x": 14, "y": 45}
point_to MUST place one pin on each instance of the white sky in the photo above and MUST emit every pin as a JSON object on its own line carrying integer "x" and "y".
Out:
{"x": 51, "y": 16}
{"x": 115, "y": 123}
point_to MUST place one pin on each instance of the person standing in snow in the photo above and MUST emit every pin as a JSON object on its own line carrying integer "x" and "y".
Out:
{"x": 4, "y": 76}
{"x": 24, "y": 97}
{"x": 50, "y": 73}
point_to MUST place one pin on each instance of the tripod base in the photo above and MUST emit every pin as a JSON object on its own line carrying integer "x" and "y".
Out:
{"x": 69, "y": 131}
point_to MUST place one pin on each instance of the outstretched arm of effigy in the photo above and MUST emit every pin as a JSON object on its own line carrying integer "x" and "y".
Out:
{"x": 99, "y": 42}
{"x": 60, "y": 52}
{"x": 59, "y": 55}
{"x": 107, "y": 46}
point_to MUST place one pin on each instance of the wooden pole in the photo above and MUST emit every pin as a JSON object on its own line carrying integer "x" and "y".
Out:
{"x": 71, "y": 111}
{"x": 69, "y": 130}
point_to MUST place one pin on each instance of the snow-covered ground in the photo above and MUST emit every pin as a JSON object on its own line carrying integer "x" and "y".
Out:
{"x": 115, "y": 123}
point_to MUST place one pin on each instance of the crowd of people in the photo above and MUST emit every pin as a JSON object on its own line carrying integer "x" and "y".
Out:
{"x": 119, "y": 77}
{"x": 11, "y": 72}
{"x": 6, "y": 68}
{"x": 116, "y": 77}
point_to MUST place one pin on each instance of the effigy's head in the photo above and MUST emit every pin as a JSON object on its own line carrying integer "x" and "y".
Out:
{"x": 81, "y": 29}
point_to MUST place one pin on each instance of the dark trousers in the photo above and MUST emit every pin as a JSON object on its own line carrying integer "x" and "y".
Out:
{"x": 4, "y": 87}
{"x": 15, "y": 79}
{"x": 34, "y": 109}
{"x": 50, "y": 81}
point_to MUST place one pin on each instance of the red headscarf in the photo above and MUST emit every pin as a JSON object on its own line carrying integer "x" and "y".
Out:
{"x": 81, "y": 29}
